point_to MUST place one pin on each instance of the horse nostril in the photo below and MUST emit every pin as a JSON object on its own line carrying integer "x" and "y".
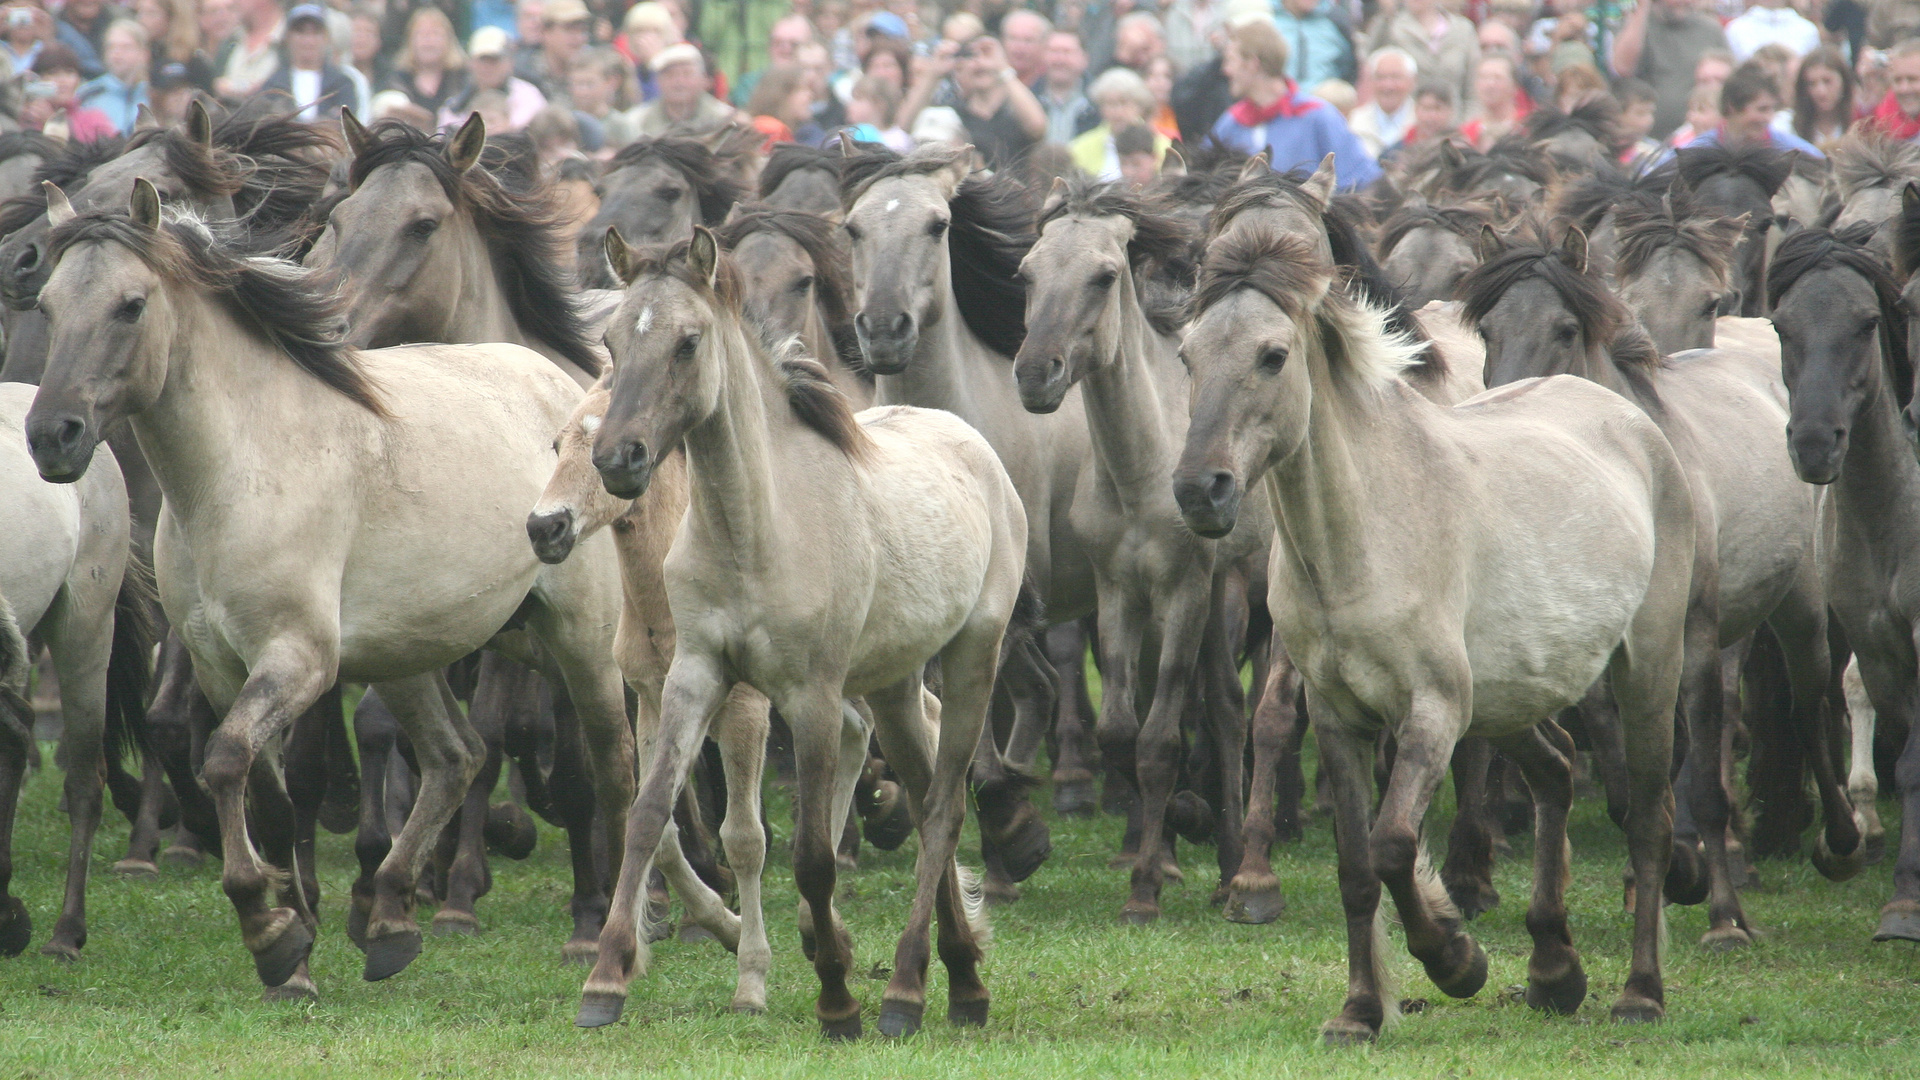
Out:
{"x": 1056, "y": 367}
{"x": 860, "y": 323}
{"x": 902, "y": 323}
{"x": 1220, "y": 488}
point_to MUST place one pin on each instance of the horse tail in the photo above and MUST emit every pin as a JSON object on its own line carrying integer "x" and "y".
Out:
{"x": 973, "y": 904}
{"x": 130, "y": 662}
{"x": 1433, "y": 891}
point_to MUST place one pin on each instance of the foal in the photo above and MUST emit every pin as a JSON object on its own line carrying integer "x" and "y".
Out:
{"x": 823, "y": 556}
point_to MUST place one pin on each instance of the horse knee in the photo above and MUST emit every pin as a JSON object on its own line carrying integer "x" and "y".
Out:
{"x": 1393, "y": 854}
{"x": 227, "y": 762}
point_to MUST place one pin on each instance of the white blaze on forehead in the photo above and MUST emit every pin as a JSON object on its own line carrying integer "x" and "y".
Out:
{"x": 644, "y": 322}
{"x": 892, "y": 205}
{"x": 590, "y": 423}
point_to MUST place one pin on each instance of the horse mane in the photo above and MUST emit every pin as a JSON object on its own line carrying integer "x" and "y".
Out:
{"x": 1602, "y": 318}
{"x": 810, "y": 392}
{"x": 789, "y": 158}
{"x": 14, "y": 144}
{"x": 1598, "y": 118}
{"x": 296, "y": 309}
{"x": 1764, "y": 165}
{"x": 832, "y": 276}
{"x": 520, "y": 226}
{"x": 990, "y": 233}
{"x": 1646, "y": 227}
{"x": 715, "y": 190}
{"x": 1809, "y": 249}
{"x": 1868, "y": 159}
{"x": 1906, "y": 240}
{"x": 1512, "y": 154}
{"x": 66, "y": 168}
{"x": 1159, "y": 251}
{"x": 1361, "y": 345}
{"x": 274, "y": 167}
{"x": 1589, "y": 198}
{"x": 1212, "y": 168}
{"x": 1461, "y": 219}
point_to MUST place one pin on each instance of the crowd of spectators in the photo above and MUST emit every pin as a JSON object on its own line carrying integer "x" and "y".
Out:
{"x": 1109, "y": 86}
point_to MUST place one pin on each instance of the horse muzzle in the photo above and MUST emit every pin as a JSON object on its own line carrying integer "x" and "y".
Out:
{"x": 1209, "y": 501}
{"x": 887, "y": 341}
{"x": 1042, "y": 383}
{"x": 62, "y": 446}
{"x": 625, "y": 470}
{"x": 553, "y": 534}
{"x": 1818, "y": 451}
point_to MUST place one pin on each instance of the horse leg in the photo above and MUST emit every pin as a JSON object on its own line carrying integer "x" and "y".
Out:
{"x": 1900, "y": 918}
{"x": 1468, "y": 869}
{"x": 278, "y": 831}
{"x": 1645, "y": 694}
{"x": 1073, "y": 791}
{"x": 143, "y": 841}
{"x": 1700, "y": 699}
{"x": 178, "y": 723}
{"x": 991, "y": 783}
{"x": 1346, "y": 761}
{"x": 1014, "y": 841}
{"x": 1254, "y": 894}
{"x": 571, "y": 789}
{"x": 450, "y": 753}
{"x": 304, "y": 766}
{"x": 374, "y": 731}
{"x": 16, "y": 740}
{"x": 1555, "y": 980}
{"x": 340, "y": 802}
{"x": 857, "y": 726}
{"x": 1121, "y": 634}
{"x": 742, "y": 732}
{"x": 80, "y": 662}
{"x": 695, "y": 689}
{"x": 497, "y": 686}
{"x": 1777, "y": 766}
{"x": 1863, "y": 785}
{"x": 1800, "y": 627}
{"x": 1157, "y": 750}
{"x": 1226, "y": 713}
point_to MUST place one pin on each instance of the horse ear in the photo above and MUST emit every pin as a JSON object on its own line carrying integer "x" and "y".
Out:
{"x": 1258, "y": 165}
{"x": 1320, "y": 184}
{"x": 1175, "y": 163}
{"x": 619, "y": 255}
{"x": 199, "y": 124}
{"x": 703, "y": 255}
{"x": 358, "y": 139}
{"x": 1910, "y": 200}
{"x": 144, "y": 205}
{"x": 1680, "y": 191}
{"x": 1055, "y": 195}
{"x": 59, "y": 209}
{"x": 1490, "y": 244}
{"x": 957, "y": 171}
{"x": 1573, "y": 248}
{"x": 145, "y": 120}
{"x": 463, "y": 150}
{"x": 847, "y": 148}
{"x": 1450, "y": 153}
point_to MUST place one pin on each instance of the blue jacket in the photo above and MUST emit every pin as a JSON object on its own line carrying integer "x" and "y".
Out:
{"x": 120, "y": 102}
{"x": 1306, "y": 130}
{"x": 1779, "y": 140}
{"x": 1318, "y": 48}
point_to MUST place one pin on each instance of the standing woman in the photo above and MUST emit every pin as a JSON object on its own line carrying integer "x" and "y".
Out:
{"x": 173, "y": 37}
{"x": 430, "y": 67}
{"x": 1823, "y": 96}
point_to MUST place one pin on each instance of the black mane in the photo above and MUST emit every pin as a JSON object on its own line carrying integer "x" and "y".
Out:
{"x": 789, "y": 158}
{"x": 1462, "y": 219}
{"x": 832, "y": 276}
{"x": 1764, "y": 165}
{"x": 715, "y": 190}
{"x": 1160, "y": 250}
{"x": 524, "y": 236}
{"x": 1602, "y": 318}
{"x": 1598, "y": 118}
{"x": 1809, "y": 249}
{"x": 1643, "y": 228}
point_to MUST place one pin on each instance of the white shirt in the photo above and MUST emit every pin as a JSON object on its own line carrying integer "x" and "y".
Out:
{"x": 306, "y": 92}
{"x": 1763, "y": 26}
{"x": 1378, "y": 129}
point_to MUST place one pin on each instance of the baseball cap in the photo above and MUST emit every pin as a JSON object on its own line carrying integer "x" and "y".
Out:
{"x": 562, "y": 12}
{"x": 682, "y": 53}
{"x": 489, "y": 41}
{"x": 171, "y": 77}
{"x": 307, "y": 13}
{"x": 886, "y": 22}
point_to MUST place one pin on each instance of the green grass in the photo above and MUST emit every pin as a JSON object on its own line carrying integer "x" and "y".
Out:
{"x": 166, "y": 989}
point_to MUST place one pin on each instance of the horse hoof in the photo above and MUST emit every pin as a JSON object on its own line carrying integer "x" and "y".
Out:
{"x": 1467, "y": 979}
{"x": 1075, "y": 798}
{"x": 891, "y": 822}
{"x": 16, "y": 926}
{"x": 1256, "y": 907}
{"x": 136, "y": 868}
{"x": 599, "y": 1008}
{"x": 1725, "y": 939}
{"x": 1473, "y": 898}
{"x": 339, "y": 810}
{"x": 187, "y": 857}
{"x": 1638, "y": 1010}
{"x": 297, "y": 988}
{"x": 510, "y": 831}
{"x": 1137, "y": 914}
{"x": 580, "y": 952}
{"x": 1899, "y": 923}
{"x": 389, "y": 954}
{"x": 1341, "y": 1031}
{"x": 276, "y": 962}
{"x": 1836, "y": 867}
{"x": 60, "y": 950}
{"x": 1561, "y": 996}
{"x": 968, "y": 1012}
{"x": 845, "y": 863}
{"x": 841, "y": 1030}
{"x": 748, "y": 1008}
{"x": 898, "y": 1019}
{"x": 1026, "y": 845}
{"x": 1191, "y": 817}
{"x": 447, "y": 921}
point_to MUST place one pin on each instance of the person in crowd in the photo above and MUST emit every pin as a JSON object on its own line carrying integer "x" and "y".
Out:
{"x": 173, "y": 38}
{"x": 1160, "y": 78}
{"x": 122, "y": 89}
{"x": 1563, "y": 39}
{"x": 1188, "y": 24}
{"x": 1661, "y": 43}
{"x": 430, "y": 67}
{"x": 889, "y": 59}
{"x": 1271, "y": 113}
{"x": 1496, "y": 35}
{"x": 316, "y": 86}
{"x": 870, "y": 115}
{"x": 1713, "y": 68}
{"x": 529, "y": 38}
{"x": 1898, "y": 114}
{"x": 1823, "y": 97}
{"x": 1637, "y": 101}
{"x": 1870, "y": 72}
{"x": 366, "y": 53}
{"x": 1748, "y": 101}
{"x": 171, "y": 92}
{"x": 1703, "y": 114}
{"x": 941, "y": 125}
{"x": 681, "y": 73}
{"x": 1138, "y": 149}
{"x": 786, "y": 37}
{"x": 82, "y": 27}
{"x": 816, "y": 63}
{"x": 1783, "y": 66}
{"x": 1497, "y": 89}
{"x": 646, "y": 29}
{"x": 26, "y": 32}
{"x": 1023, "y": 35}
{"x": 254, "y": 54}
{"x": 1445, "y": 44}
{"x": 1578, "y": 84}
{"x": 490, "y": 68}
{"x": 1137, "y": 40}
{"x": 555, "y": 133}
{"x": 783, "y": 93}
{"x": 1434, "y": 115}
{"x": 1771, "y": 22}
{"x": 1340, "y": 94}
{"x": 1124, "y": 101}
{"x": 564, "y": 28}
{"x": 599, "y": 88}
{"x": 1385, "y": 120}
{"x": 52, "y": 108}
{"x": 1002, "y": 117}
{"x": 1061, "y": 90}
{"x": 1318, "y": 46}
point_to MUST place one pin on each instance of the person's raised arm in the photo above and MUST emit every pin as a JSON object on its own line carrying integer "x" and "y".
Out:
{"x": 1026, "y": 108}
{"x": 1631, "y": 40}
{"x": 927, "y": 73}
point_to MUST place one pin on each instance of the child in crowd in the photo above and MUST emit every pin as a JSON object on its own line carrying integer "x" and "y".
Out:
{"x": 1134, "y": 146}
{"x": 1636, "y": 119}
{"x": 870, "y": 112}
{"x": 1703, "y": 115}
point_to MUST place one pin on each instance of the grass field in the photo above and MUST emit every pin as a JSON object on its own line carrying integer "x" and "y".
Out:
{"x": 165, "y": 988}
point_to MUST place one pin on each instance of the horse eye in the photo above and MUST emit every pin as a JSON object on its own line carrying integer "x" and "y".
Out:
{"x": 686, "y": 347}
{"x": 1565, "y": 333}
{"x": 556, "y": 444}
{"x": 130, "y": 311}
{"x": 803, "y": 284}
{"x": 1105, "y": 280}
{"x": 937, "y": 228}
{"x": 423, "y": 228}
{"x": 1273, "y": 359}
{"x": 666, "y": 194}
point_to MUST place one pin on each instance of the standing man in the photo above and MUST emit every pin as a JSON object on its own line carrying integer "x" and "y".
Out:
{"x": 315, "y": 86}
{"x": 1384, "y": 121}
{"x": 1445, "y": 45}
{"x": 1137, "y": 40}
{"x": 256, "y": 54}
{"x": 1748, "y": 101}
{"x": 1317, "y": 44}
{"x": 1062, "y": 90}
{"x": 1660, "y": 43}
{"x": 1273, "y": 114}
{"x": 783, "y": 43}
{"x": 1003, "y": 119}
{"x": 681, "y": 73}
{"x": 1898, "y": 114}
{"x": 1024, "y": 34}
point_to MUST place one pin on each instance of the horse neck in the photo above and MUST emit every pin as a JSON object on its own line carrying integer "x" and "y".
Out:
{"x": 1126, "y": 415}
{"x": 1879, "y": 468}
{"x": 953, "y": 370}
{"x": 478, "y": 309}
{"x": 730, "y": 457}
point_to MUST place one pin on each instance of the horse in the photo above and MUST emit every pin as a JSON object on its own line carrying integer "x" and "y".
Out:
{"x": 1093, "y": 322}
{"x": 1586, "y": 137}
{"x": 1737, "y": 181}
{"x": 1672, "y": 268}
{"x": 436, "y": 246}
{"x": 1401, "y": 584}
{"x": 804, "y": 178}
{"x": 575, "y": 506}
{"x": 655, "y": 191}
{"x": 1512, "y": 168}
{"x": 1869, "y": 172}
{"x": 922, "y": 557}
{"x": 1426, "y": 249}
{"x": 796, "y": 280}
{"x": 1543, "y": 313}
{"x": 1844, "y": 355}
{"x": 65, "y": 568}
{"x": 382, "y": 565}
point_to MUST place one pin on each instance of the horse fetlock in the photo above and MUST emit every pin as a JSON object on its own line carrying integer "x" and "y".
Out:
{"x": 968, "y": 1011}
{"x": 280, "y": 943}
{"x": 1461, "y": 968}
{"x": 1840, "y": 866}
{"x": 1726, "y": 937}
{"x": 453, "y": 921}
{"x": 1358, "y": 1023}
